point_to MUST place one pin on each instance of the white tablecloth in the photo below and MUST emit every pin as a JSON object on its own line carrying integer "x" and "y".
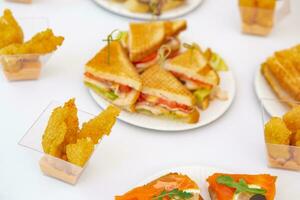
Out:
{"x": 130, "y": 154}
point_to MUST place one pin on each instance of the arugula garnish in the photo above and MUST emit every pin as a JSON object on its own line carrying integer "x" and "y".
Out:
{"x": 240, "y": 186}
{"x": 115, "y": 35}
{"x": 174, "y": 194}
{"x": 163, "y": 53}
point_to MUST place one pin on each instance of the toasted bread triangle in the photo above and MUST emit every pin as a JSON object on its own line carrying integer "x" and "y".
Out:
{"x": 193, "y": 64}
{"x": 191, "y": 59}
{"x": 118, "y": 68}
{"x": 146, "y": 38}
{"x": 159, "y": 82}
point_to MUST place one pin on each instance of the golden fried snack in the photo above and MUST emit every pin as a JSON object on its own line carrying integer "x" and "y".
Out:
{"x": 42, "y": 43}
{"x": 10, "y": 31}
{"x": 80, "y": 152}
{"x": 101, "y": 125}
{"x": 248, "y": 11}
{"x": 286, "y": 75}
{"x": 292, "y": 119}
{"x": 282, "y": 71}
{"x": 295, "y": 140}
{"x": 296, "y": 152}
{"x": 62, "y": 129}
{"x": 276, "y": 132}
{"x": 292, "y": 54}
{"x": 72, "y": 123}
{"x": 265, "y": 12}
{"x": 55, "y": 132}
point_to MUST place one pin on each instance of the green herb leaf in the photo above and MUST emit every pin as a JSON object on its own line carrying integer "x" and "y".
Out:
{"x": 218, "y": 63}
{"x": 240, "y": 186}
{"x": 174, "y": 194}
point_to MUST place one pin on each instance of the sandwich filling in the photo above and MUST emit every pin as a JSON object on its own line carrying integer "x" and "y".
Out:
{"x": 172, "y": 43}
{"x": 162, "y": 106}
{"x": 113, "y": 91}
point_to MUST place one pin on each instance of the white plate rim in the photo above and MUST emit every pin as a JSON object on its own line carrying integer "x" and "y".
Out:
{"x": 171, "y": 14}
{"x": 103, "y": 103}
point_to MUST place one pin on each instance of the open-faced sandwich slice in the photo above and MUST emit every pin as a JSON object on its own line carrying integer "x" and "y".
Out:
{"x": 145, "y": 39}
{"x": 242, "y": 187}
{"x": 163, "y": 95}
{"x": 111, "y": 75}
{"x": 170, "y": 186}
{"x": 194, "y": 70}
{"x": 282, "y": 72}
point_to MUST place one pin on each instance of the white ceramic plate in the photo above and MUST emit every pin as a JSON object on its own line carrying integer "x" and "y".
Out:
{"x": 120, "y": 9}
{"x": 268, "y": 98}
{"x": 215, "y": 110}
{"x": 286, "y": 187}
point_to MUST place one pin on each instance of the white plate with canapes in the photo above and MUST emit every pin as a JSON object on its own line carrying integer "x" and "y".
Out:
{"x": 215, "y": 110}
{"x": 199, "y": 175}
{"x": 120, "y": 9}
{"x": 268, "y": 99}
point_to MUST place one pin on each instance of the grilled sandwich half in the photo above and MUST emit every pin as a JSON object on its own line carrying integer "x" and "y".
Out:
{"x": 111, "y": 75}
{"x": 145, "y": 39}
{"x": 193, "y": 69}
{"x": 163, "y": 95}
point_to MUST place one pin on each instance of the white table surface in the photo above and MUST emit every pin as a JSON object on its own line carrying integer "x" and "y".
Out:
{"x": 130, "y": 154}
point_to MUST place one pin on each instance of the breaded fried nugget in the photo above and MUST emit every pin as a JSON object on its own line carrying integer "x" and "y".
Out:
{"x": 248, "y": 10}
{"x": 296, "y": 150}
{"x": 292, "y": 54}
{"x": 276, "y": 132}
{"x": 62, "y": 129}
{"x": 101, "y": 125}
{"x": 80, "y": 152}
{"x": 42, "y": 43}
{"x": 295, "y": 140}
{"x": 265, "y": 13}
{"x": 72, "y": 123}
{"x": 292, "y": 119}
{"x": 10, "y": 31}
{"x": 55, "y": 133}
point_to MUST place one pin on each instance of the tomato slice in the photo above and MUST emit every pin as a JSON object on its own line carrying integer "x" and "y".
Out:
{"x": 91, "y": 76}
{"x": 147, "y": 58}
{"x": 122, "y": 88}
{"x": 125, "y": 88}
{"x": 200, "y": 83}
{"x": 174, "y": 105}
{"x": 169, "y": 104}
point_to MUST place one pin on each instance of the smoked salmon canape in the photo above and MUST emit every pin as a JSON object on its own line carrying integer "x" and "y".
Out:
{"x": 242, "y": 187}
{"x": 170, "y": 186}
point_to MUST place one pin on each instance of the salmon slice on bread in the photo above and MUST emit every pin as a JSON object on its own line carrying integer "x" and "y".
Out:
{"x": 171, "y": 185}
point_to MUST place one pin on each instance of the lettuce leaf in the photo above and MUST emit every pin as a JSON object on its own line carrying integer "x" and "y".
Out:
{"x": 201, "y": 94}
{"x": 218, "y": 63}
{"x": 107, "y": 93}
